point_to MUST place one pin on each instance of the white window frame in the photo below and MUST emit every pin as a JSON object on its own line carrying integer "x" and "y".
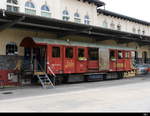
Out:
{"x": 14, "y": 50}
{"x": 112, "y": 25}
{"x": 77, "y": 19}
{"x": 134, "y": 30}
{"x": 87, "y": 20}
{"x": 67, "y": 17}
{"x": 12, "y": 5}
{"x": 29, "y": 8}
{"x": 44, "y": 11}
{"x": 105, "y": 24}
{"x": 119, "y": 27}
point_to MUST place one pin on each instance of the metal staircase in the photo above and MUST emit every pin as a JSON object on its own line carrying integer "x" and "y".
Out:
{"x": 44, "y": 78}
{"x": 45, "y": 81}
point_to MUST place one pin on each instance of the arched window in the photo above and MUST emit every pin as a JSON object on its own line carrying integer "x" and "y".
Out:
{"x": 112, "y": 25}
{"x": 30, "y": 8}
{"x": 87, "y": 20}
{"x": 105, "y": 24}
{"x": 11, "y": 49}
{"x": 77, "y": 17}
{"x": 45, "y": 11}
{"x": 134, "y": 30}
{"x": 12, "y": 5}
{"x": 66, "y": 16}
{"x": 119, "y": 27}
{"x": 139, "y": 31}
{"x": 143, "y": 32}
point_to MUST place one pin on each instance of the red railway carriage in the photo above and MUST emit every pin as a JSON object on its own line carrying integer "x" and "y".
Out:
{"x": 61, "y": 57}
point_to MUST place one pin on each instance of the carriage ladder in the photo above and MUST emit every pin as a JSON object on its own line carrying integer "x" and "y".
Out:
{"x": 44, "y": 78}
{"x": 45, "y": 81}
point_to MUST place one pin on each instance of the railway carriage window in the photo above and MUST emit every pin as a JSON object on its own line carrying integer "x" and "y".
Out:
{"x": 93, "y": 53}
{"x": 127, "y": 55}
{"x": 56, "y": 52}
{"x": 69, "y": 52}
{"x": 81, "y": 55}
{"x": 11, "y": 49}
{"x": 12, "y": 5}
{"x": 120, "y": 55}
{"x": 80, "y": 52}
{"x": 112, "y": 55}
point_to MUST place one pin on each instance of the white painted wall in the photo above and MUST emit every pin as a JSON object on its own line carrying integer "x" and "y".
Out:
{"x": 57, "y": 6}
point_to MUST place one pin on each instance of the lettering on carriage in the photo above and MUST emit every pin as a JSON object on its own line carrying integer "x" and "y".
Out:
{"x": 54, "y": 65}
{"x": 69, "y": 65}
{"x": 119, "y": 65}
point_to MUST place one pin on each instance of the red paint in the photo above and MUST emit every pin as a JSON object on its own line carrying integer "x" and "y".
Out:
{"x": 81, "y": 64}
{"x": 120, "y": 61}
{"x": 113, "y": 61}
{"x": 93, "y": 64}
{"x": 4, "y": 77}
{"x": 55, "y": 62}
{"x": 69, "y": 63}
{"x": 127, "y": 61}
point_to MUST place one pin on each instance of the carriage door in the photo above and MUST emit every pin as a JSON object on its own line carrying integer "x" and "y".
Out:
{"x": 93, "y": 59}
{"x": 69, "y": 59}
{"x": 81, "y": 62}
{"x": 39, "y": 57}
{"x": 127, "y": 60}
{"x": 120, "y": 60}
{"x": 55, "y": 58}
{"x": 113, "y": 60}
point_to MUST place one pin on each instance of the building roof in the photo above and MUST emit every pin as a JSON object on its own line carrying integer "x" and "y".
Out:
{"x": 34, "y": 42}
{"x": 113, "y": 14}
{"x": 64, "y": 28}
{"x": 98, "y": 3}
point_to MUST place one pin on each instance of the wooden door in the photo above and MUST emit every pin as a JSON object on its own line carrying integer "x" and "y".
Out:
{"x": 81, "y": 59}
{"x": 69, "y": 59}
{"x": 113, "y": 60}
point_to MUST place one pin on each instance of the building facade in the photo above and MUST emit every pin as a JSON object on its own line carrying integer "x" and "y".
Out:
{"x": 81, "y": 12}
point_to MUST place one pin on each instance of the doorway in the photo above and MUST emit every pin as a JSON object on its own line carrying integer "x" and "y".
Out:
{"x": 144, "y": 57}
{"x": 35, "y": 59}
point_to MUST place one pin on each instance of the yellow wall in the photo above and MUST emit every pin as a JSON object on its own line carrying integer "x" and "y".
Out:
{"x": 16, "y": 35}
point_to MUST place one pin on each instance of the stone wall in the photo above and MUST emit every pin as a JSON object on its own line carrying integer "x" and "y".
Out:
{"x": 9, "y": 62}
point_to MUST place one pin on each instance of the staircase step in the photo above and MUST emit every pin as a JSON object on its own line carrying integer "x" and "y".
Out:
{"x": 45, "y": 81}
